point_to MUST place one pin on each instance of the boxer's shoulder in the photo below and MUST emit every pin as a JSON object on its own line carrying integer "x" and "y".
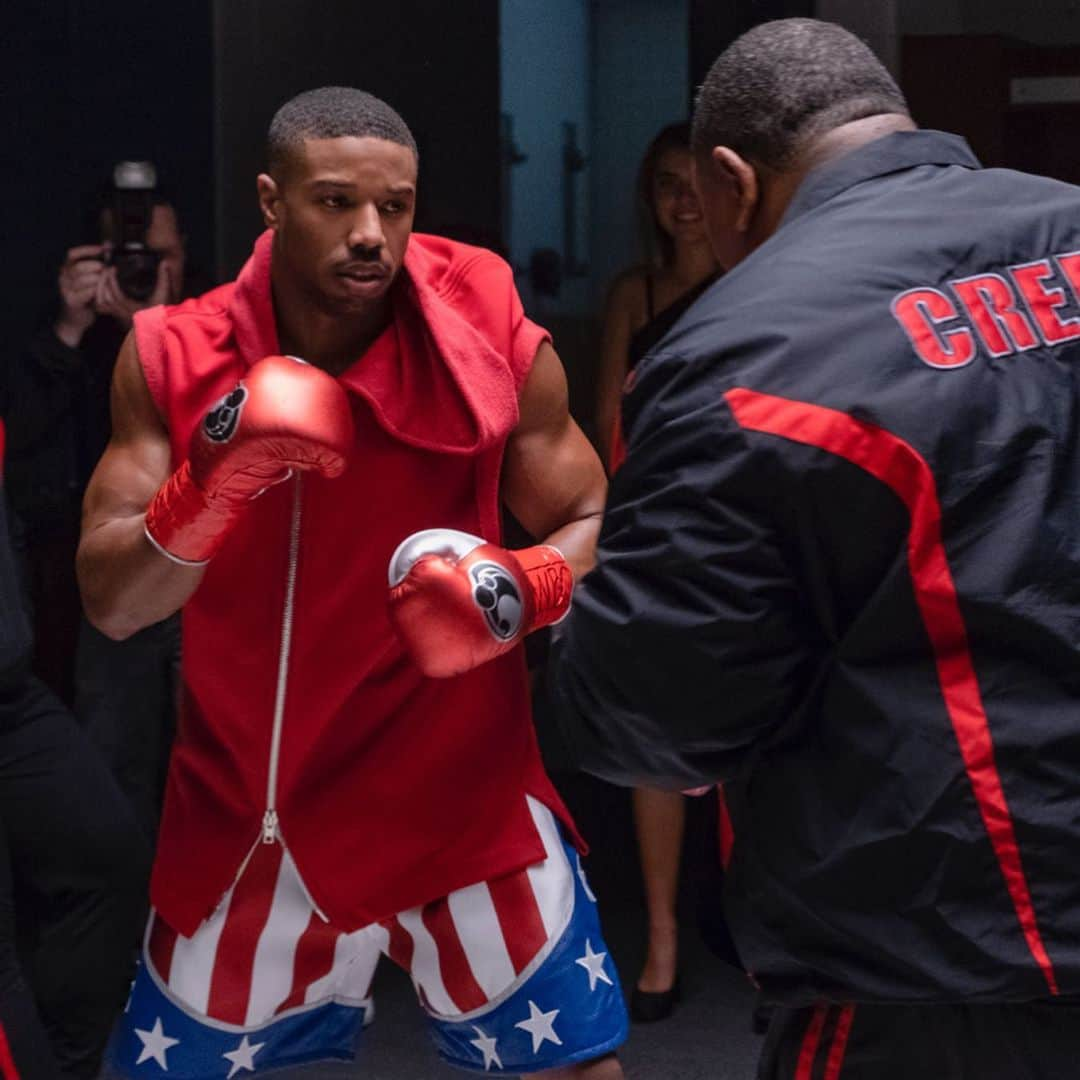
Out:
{"x": 213, "y": 304}
{"x": 189, "y": 340}
{"x": 452, "y": 268}
{"x": 210, "y": 308}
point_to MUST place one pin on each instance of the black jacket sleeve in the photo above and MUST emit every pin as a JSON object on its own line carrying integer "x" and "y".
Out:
{"x": 684, "y": 646}
{"x": 40, "y": 389}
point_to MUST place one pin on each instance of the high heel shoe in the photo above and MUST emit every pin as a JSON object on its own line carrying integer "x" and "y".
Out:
{"x": 648, "y": 1006}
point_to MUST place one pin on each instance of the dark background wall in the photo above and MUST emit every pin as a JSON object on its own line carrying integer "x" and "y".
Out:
{"x": 84, "y": 83}
{"x": 713, "y": 26}
{"x": 437, "y": 63}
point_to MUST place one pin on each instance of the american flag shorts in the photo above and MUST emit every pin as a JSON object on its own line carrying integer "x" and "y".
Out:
{"x": 513, "y": 973}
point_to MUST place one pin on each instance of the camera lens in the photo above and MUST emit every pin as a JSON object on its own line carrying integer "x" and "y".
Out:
{"x": 136, "y": 272}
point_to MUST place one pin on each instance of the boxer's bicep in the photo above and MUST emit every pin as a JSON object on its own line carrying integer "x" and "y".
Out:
{"x": 137, "y": 460}
{"x": 553, "y": 482}
{"x": 126, "y": 583}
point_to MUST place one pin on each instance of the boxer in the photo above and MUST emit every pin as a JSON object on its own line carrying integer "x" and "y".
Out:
{"x": 329, "y": 799}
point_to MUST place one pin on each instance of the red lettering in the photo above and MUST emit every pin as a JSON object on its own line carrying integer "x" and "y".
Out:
{"x": 1043, "y": 302}
{"x": 991, "y": 303}
{"x": 1070, "y": 267}
{"x": 921, "y": 312}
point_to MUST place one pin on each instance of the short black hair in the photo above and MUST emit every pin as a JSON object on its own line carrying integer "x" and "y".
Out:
{"x": 785, "y": 83}
{"x": 332, "y": 112}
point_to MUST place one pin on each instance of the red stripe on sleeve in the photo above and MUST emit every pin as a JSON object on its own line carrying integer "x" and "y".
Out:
{"x": 519, "y": 917}
{"x": 899, "y": 465}
{"x": 839, "y": 1043}
{"x": 313, "y": 959}
{"x": 160, "y": 946}
{"x": 8, "y": 1069}
{"x": 725, "y": 828}
{"x": 249, "y": 909}
{"x": 457, "y": 975}
{"x": 805, "y": 1065}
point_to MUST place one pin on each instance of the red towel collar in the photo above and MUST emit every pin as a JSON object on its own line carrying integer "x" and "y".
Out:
{"x": 432, "y": 380}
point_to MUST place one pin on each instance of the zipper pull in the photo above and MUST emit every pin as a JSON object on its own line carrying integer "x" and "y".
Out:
{"x": 269, "y": 828}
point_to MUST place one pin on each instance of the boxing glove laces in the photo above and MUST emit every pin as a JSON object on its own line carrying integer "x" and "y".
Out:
{"x": 284, "y": 415}
{"x": 457, "y": 601}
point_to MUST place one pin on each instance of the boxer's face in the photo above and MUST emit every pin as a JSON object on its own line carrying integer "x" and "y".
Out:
{"x": 343, "y": 211}
{"x": 678, "y": 211}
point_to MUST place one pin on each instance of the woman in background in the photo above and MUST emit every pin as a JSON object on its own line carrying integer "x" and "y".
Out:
{"x": 644, "y": 303}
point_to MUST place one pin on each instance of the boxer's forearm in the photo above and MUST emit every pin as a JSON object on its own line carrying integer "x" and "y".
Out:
{"x": 126, "y": 583}
{"x": 553, "y": 482}
{"x": 577, "y": 542}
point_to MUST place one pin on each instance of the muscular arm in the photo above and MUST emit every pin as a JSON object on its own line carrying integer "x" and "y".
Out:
{"x": 126, "y": 583}
{"x": 553, "y": 482}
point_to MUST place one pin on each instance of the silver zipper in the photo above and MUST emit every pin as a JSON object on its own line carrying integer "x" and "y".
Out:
{"x": 270, "y": 831}
{"x": 271, "y": 827}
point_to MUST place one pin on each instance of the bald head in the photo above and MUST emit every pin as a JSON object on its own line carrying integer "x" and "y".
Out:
{"x": 783, "y": 85}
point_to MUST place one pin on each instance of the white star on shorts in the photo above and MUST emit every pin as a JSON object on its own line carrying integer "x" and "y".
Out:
{"x": 155, "y": 1043}
{"x": 593, "y": 963}
{"x": 584, "y": 884}
{"x": 243, "y": 1057}
{"x": 486, "y": 1045}
{"x": 541, "y": 1026}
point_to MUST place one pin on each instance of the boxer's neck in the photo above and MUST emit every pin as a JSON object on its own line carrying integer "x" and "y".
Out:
{"x": 329, "y": 340}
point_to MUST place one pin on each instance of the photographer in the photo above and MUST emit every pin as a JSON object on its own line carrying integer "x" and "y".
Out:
{"x": 56, "y": 406}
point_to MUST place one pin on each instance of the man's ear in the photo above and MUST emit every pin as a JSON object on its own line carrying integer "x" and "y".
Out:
{"x": 728, "y": 167}
{"x": 269, "y": 199}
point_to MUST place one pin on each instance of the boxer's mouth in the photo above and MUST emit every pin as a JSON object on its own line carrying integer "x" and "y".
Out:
{"x": 364, "y": 272}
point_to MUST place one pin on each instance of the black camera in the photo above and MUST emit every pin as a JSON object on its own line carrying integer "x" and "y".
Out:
{"x": 132, "y": 207}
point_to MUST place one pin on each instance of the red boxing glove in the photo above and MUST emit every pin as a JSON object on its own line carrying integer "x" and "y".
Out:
{"x": 283, "y": 415}
{"x": 457, "y": 602}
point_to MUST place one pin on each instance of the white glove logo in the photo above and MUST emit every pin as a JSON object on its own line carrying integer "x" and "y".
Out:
{"x": 496, "y": 594}
{"x": 221, "y": 420}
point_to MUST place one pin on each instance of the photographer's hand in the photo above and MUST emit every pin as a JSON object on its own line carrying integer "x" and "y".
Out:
{"x": 78, "y": 282}
{"x": 111, "y": 300}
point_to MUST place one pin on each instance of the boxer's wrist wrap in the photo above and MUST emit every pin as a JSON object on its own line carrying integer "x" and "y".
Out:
{"x": 183, "y": 524}
{"x": 551, "y": 580}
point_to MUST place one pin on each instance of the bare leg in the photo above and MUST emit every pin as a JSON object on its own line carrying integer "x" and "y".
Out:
{"x": 605, "y": 1068}
{"x": 660, "y": 817}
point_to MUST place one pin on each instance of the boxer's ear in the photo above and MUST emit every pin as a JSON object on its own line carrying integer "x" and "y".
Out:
{"x": 269, "y": 200}
{"x": 735, "y": 171}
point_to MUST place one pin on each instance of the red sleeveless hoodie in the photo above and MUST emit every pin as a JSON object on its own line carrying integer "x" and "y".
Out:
{"x": 302, "y": 721}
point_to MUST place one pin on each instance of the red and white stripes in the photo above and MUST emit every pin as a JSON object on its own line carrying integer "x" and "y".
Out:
{"x": 265, "y": 950}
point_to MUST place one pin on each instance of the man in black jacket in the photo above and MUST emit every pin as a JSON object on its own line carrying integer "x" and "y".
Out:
{"x": 73, "y": 867}
{"x": 840, "y": 572}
